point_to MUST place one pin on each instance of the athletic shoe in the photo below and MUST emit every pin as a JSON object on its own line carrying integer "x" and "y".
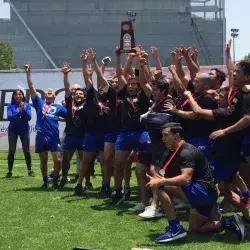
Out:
{"x": 8, "y": 175}
{"x": 88, "y": 186}
{"x": 55, "y": 186}
{"x": 246, "y": 202}
{"x": 181, "y": 205}
{"x": 238, "y": 226}
{"x": 170, "y": 235}
{"x": 45, "y": 185}
{"x": 138, "y": 208}
{"x": 150, "y": 213}
{"x": 127, "y": 193}
{"x": 62, "y": 184}
{"x": 31, "y": 173}
{"x": 78, "y": 190}
{"x": 117, "y": 198}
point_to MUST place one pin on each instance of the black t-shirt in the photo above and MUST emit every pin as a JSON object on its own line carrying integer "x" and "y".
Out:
{"x": 99, "y": 122}
{"x": 155, "y": 134}
{"x": 190, "y": 157}
{"x": 132, "y": 109}
{"x": 75, "y": 124}
{"x": 199, "y": 128}
{"x": 227, "y": 148}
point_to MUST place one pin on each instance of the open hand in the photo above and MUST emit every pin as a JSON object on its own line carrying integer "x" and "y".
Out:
{"x": 66, "y": 68}
{"x": 27, "y": 68}
{"x": 217, "y": 134}
{"x": 84, "y": 56}
{"x": 170, "y": 107}
{"x": 154, "y": 182}
{"x": 154, "y": 51}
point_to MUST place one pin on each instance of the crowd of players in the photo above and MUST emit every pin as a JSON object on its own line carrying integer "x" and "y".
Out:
{"x": 189, "y": 133}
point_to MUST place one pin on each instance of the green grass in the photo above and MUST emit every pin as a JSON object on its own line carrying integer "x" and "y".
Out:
{"x": 35, "y": 219}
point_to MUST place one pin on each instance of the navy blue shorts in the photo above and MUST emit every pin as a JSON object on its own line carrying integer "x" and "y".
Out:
{"x": 199, "y": 198}
{"x": 93, "y": 142}
{"x": 111, "y": 137}
{"x": 245, "y": 147}
{"x": 203, "y": 144}
{"x": 47, "y": 143}
{"x": 73, "y": 143}
{"x": 225, "y": 171}
{"x": 132, "y": 140}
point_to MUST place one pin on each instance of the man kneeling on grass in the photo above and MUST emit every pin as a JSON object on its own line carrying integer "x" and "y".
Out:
{"x": 196, "y": 182}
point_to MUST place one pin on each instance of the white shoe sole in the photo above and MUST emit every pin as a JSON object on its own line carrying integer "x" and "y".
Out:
{"x": 179, "y": 236}
{"x": 150, "y": 217}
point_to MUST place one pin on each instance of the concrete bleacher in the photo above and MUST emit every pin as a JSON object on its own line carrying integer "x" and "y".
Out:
{"x": 65, "y": 27}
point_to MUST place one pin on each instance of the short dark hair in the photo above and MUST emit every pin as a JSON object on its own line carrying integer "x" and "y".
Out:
{"x": 220, "y": 75}
{"x": 14, "y": 92}
{"x": 225, "y": 89}
{"x": 245, "y": 67}
{"x": 162, "y": 83}
{"x": 174, "y": 128}
{"x": 83, "y": 90}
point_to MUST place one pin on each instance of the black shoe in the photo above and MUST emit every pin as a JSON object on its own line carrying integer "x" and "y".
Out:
{"x": 127, "y": 193}
{"x": 117, "y": 198}
{"x": 55, "y": 186}
{"x": 31, "y": 173}
{"x": 88, "y": 185}
{"x": 62, "y": 184}
{"x": 8, "y": 175}
{"x": 45, "y": 185}
{"x": 78, "y": 190}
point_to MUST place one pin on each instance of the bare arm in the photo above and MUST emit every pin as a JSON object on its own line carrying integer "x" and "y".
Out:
{"x": 193, "y": 68}
{"x": 205, "y": 114}
{"x": 142, "y": 79}
{"x": 121, "y": 79}
{"x": 66, "y": 69}
{"x": 178, "y": 86}
{"x": 229, "y": 62}
{"x": 30, "y": 82}
{"x": 85, "y": 71}
{"x": 243, "y": 123}
{"x": 190, "y": 115}
{"x": 101, "y": 80}
{"x": 155, "y": 54}
{"x": 128, "y": 65}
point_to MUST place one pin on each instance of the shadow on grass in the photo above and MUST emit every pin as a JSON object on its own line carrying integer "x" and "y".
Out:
{"x": 35, "y": 189}
{"x": 13, "y": 177}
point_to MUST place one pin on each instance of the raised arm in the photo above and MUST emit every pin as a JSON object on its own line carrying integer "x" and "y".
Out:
{"x": 142, "y": 78}
{"x": 128, "y": 65}
{"x": 193, "y": 68}
{"x": 101, "y": 80}
{"x": 85, "y": 70}
{"x": 27, "y": 69}
{"x": 155, "y": 54}
{"x": 229, "y": 62}
{"x": 178, "y": 86}
{"x": 66, "y": 69}
{"x": 177, "y": 58}
{"x": 121, "y": 79}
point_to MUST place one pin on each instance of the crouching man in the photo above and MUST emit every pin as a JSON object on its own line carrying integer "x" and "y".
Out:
{"x": 196, "y": 182}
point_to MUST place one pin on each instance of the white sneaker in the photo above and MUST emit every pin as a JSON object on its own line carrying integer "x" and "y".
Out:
{"x": 181, "y": 205}
{"x": 138, "y": 208}
{"x": 150, "y": 212}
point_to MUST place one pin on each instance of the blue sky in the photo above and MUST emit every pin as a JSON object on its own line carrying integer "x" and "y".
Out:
{"x": 237, "y": 14}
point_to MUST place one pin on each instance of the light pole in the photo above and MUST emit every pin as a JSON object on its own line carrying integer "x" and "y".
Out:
{"x": 234, "y": 34}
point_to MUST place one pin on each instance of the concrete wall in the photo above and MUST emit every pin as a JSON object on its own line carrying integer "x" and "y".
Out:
{"x": 65, "y": 27}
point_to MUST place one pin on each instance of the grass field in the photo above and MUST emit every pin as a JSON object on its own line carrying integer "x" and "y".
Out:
{"x": 34, "y": 219}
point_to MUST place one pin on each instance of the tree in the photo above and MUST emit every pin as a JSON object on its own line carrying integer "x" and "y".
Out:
{"x": 6, "y": 56}
{"x": 247, "y": 58}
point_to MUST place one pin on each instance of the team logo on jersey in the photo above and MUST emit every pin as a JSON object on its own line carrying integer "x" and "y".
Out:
{"x": 52, "y": 110}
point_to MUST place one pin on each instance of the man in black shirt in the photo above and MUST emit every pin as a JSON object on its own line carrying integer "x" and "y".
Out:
{"x": 135, "y": 96}
{"x": 196, "y": 182}
{"x": 75, "y": 124}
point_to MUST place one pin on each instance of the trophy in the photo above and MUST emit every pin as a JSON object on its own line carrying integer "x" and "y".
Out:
{"x": 127, "y": 42}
